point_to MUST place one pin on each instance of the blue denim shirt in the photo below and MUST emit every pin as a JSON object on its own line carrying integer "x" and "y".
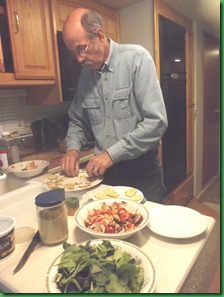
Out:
{"x": 122, "y": 105}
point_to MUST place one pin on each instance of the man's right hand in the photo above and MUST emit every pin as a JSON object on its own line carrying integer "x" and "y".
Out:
{"x": 70, "y": 163}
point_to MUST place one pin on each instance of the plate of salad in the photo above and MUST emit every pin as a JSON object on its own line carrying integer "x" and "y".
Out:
{"x": 101, "y": 266}
{"x": 112, "y": 218}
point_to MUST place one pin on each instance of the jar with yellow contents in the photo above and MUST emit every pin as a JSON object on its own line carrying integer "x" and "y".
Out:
{"x": 52, "y": 216}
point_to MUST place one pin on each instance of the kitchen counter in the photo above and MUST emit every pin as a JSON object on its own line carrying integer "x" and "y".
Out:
{"x": 172, "y": 258}
{"x": 53, "y": 156}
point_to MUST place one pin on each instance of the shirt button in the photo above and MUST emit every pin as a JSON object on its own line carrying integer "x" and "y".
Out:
{"x": 106, "y": 98}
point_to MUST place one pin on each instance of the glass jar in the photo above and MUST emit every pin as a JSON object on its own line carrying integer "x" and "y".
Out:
{"x": 11, "y": 148}
{"x": 72, "y": 204}
{"x": 3, "y": 155}
{"x": 52, "y": 216}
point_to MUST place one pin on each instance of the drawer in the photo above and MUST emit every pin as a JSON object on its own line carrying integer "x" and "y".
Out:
{"x": 168, "y": 200}
{"x": 184, "y": 193}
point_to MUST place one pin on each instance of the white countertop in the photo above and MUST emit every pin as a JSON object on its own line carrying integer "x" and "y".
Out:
{"x": 172, "y": 258}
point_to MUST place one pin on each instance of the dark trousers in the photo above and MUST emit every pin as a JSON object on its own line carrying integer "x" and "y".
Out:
{"x": 143, "y": 173}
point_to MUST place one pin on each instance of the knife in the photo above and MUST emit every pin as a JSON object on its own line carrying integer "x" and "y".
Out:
{"x": 28, "y": 252}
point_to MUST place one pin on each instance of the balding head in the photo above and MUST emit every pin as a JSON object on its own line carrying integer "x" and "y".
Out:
{"x": 80, "y": 22}
{"x": 72, "y": 26}
{"x": 84, "y": 36}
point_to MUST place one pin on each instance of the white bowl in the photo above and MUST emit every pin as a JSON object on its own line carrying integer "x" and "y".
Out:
{"x": 131, "y": 206}
{"x": 19, "y": 169}
{"x": 141, "y": 257}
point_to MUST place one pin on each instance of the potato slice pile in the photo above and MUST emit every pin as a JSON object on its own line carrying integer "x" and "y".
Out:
{"x": 111, "y": 193}
{"x": 61, "y": 181}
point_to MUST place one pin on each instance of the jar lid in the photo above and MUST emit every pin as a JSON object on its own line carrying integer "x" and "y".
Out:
{"x": 72, "y": 202}
{"x": 50, "y": 198}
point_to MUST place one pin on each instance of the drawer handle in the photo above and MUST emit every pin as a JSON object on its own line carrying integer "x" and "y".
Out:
{"x": 17, "y": 21}
{"x": 185, "y": 195}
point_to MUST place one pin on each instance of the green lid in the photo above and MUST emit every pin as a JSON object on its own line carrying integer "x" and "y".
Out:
{"x": 72, "y": 202}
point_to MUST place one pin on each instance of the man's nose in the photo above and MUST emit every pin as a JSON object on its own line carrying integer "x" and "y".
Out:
{"x": 80, "y": 59}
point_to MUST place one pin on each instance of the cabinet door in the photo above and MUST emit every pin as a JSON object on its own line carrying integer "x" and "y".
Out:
{"x": 184, "y": 193}
{"x": 31, "y": 38}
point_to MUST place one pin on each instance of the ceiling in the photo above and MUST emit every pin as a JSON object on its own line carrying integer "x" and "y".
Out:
{"x": 205, "y": 11}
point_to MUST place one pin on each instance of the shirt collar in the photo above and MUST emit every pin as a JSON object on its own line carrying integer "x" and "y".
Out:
{"x": 109, "y": 63}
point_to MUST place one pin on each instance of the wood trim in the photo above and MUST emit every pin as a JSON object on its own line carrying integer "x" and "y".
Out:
{"x": 8, "y": 79}
{"x": 190, "y": 106}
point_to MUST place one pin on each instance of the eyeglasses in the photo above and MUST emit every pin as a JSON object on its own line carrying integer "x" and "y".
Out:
{"x": 80, "y": 50}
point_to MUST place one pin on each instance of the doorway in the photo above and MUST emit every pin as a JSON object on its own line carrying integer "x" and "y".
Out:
{"x": 174, "y": 43}
{"x": 211, "y": 138}
{"x": 173, "y": 85}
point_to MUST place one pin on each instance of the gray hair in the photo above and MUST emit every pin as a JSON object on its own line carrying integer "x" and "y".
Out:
{"x": 92, "y": 21}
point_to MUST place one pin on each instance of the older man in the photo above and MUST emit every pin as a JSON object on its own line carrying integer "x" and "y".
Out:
{"x": 118, "y": 102}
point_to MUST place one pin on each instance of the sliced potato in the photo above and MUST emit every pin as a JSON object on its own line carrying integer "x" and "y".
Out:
{"x": 101, "y": 195}
{"x": 69, "y": 186}
{"x": 136, "y": 198}
{"x": 111, "y": 192}
{"x": 131, "y": 192}
{"x": 52, "y": 185}
{"x": 52, "y": 177}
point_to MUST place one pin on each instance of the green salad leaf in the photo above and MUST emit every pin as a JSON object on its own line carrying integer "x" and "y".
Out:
{"x": 98, "y": 269}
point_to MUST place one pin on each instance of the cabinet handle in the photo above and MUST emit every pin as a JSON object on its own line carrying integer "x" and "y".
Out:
{"x": 217, "y": 111}
{"x": 185, "y": 195}
{"x": 17, "y": 21}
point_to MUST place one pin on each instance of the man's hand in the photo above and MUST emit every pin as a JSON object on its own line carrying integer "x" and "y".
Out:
{"x": 70, "y": 163}
{"x": 98, "y": 164}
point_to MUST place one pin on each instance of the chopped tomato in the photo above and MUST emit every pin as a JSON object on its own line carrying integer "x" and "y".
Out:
{"x": 111, "y": 216}
{"x": 121, "y": 209}
{"x": 109, "y": 229}
{"x": 124, "y": 216}
{"x": 96, "y": 219}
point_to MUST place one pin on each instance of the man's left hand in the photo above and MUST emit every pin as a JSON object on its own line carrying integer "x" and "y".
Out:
{"x": 98, "y": 164}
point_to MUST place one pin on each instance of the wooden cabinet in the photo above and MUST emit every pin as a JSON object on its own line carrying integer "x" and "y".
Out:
{"x": 28, "y": 30}
{"x": 184, "y": 193}
{"x": 33, "y": 26}
{"x": 31, "y": 38}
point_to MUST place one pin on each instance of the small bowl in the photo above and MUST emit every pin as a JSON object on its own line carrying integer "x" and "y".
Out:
{"x": 20, "y": 169}
{"x": 131, "y": 206}
{"x": 7, "y": 236}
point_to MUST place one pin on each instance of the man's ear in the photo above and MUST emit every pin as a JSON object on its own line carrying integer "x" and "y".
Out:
{"x": 100, "y": 33}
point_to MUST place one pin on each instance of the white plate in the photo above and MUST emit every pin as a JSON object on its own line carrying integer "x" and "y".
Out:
{"x": 80, "y": 182}
{"x": 137, "y": 253}
{"x": 121, "y": 191}
{"x": 176, "y": 221}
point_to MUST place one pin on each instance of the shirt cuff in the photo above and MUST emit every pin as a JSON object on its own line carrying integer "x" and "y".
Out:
{"x": 117, "y": 153}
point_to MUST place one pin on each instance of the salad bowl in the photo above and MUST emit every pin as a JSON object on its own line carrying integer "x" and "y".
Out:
{"x": 114, "y": 218}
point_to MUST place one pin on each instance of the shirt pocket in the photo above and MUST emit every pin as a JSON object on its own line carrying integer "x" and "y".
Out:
{"x": 121, "y": 104}
{"x": 93, "y": 108}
